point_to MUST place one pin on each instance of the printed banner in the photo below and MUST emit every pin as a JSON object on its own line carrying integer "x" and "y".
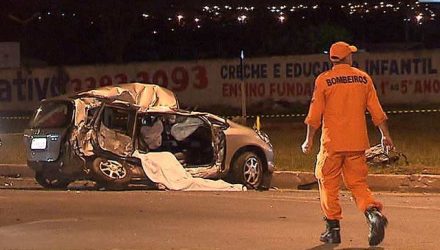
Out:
{"x": 400, "y": 78}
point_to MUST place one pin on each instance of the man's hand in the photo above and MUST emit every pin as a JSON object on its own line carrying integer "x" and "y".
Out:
{"x": 307, "y": 146}
{"x": 387, "y": 143}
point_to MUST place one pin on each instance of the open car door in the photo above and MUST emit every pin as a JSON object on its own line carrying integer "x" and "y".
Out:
{"x": 219, "y": 141}
{"x": 114, "y": 130}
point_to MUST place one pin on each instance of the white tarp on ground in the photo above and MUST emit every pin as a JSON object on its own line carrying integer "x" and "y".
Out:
{"x": 163, "y": 168}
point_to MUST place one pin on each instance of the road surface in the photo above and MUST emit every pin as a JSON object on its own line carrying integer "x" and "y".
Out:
{"x": 84, "y": 218}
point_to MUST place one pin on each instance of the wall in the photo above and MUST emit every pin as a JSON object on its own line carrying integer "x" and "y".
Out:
{"x": 400, "y": 78}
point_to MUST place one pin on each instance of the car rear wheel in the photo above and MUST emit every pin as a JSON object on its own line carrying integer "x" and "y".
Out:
{"x": 248, "y": 169}
{"x": 111, "y": 174}
{"x": 51, "y": 180}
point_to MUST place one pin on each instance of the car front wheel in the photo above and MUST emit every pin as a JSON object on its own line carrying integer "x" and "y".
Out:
{"x": 248, "y": 169}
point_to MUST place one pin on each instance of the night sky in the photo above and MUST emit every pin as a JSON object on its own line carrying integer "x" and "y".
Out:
{"x": 61, "y": 32}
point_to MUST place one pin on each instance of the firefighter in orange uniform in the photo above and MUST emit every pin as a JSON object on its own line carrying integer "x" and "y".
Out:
{"x": 340, "y": 99}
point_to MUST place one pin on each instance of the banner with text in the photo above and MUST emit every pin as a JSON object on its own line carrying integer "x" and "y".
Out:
{"x": 400, "y": 78}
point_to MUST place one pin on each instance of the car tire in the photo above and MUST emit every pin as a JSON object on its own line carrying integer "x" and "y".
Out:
{"x": 111, "y": 174}
{"x": 51, "y": 180}
{"x": 247, "y": 169}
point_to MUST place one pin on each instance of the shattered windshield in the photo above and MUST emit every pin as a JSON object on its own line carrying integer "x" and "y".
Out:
{"x": 52, "y": 115}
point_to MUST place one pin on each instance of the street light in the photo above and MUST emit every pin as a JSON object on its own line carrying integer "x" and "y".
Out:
{"x": 242, "y": 18}
{"x": 243, "y": 88}
{"x": 281, "y": 18}
{"x": 179, "y": 18}
{"x": 419, "y": 18}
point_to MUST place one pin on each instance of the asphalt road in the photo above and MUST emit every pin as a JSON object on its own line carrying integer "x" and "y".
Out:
{"x": 138, "y": 219}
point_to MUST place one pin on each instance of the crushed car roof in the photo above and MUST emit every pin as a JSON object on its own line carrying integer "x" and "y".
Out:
{"x": 139, "y": 94}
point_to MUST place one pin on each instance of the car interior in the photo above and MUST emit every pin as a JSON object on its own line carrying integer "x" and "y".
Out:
{"x": 189, "y": 138}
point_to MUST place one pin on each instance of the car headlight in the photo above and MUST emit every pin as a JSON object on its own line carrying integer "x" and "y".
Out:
{"x": 263, "y": 136}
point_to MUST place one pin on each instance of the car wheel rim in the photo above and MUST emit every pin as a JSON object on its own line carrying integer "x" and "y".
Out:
{"x": 113, "y": 169}
{"x": 252, "y": 171}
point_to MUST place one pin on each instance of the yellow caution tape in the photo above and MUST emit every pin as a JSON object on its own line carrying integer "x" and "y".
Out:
{"x": 269, "y": 116}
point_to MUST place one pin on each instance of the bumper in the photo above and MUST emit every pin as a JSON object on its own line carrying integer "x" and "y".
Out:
{"x": 40, "y": 165}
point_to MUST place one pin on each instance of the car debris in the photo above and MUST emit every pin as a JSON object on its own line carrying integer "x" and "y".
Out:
{"x": 376, "y": 156}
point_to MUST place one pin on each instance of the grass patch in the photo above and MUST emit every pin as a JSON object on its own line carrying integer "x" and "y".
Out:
{"x": 12, "y": 150}
{"x": 416, "y": 135}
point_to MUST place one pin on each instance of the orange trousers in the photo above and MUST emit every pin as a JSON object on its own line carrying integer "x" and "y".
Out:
{"x": 354, "y": 170}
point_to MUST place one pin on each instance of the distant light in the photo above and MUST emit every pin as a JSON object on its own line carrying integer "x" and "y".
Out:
{"x": 196, "y": 20}
{"x": 206, "y": 8}
{"x": 325, "y": 52}
{"x": 39, "y": 18}
{"x": 179, "y": 17}
{"x": 155, "y": 32}
{"x": 48, "y": 13}
{"x": 281, "y": 18}
{"x": 145, "y": 15}
{"x": 198, "y": 26}
{"x": 62, "y": 14}
{"x": 419, "y": 18}
{"x": 242, "y": 18}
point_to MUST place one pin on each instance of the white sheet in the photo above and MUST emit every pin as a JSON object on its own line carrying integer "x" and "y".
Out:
{"x": 163, "y": 168}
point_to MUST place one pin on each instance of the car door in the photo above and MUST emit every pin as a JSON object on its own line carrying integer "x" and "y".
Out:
{"x": 114, "y": 129}
{"x": 219, "y": 141}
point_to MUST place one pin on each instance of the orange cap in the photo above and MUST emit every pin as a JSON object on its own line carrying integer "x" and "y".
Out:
{"x": 340, "y": 50}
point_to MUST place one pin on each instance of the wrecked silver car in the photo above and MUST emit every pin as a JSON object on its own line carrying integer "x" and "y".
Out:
{"x": 94, "y": 135}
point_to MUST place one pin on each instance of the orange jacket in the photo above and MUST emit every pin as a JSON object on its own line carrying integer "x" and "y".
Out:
{"x": 340, "y": 99}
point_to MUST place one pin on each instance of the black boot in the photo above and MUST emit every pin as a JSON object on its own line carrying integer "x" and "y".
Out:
{"x": 332, "y": 233}
{"x": 377, "y": 223}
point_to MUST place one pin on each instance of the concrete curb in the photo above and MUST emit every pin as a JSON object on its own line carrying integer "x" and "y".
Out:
{"x": 303, "y": 180}
{"x": 377, "y": 182}
{"x": 16, "y": 170}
